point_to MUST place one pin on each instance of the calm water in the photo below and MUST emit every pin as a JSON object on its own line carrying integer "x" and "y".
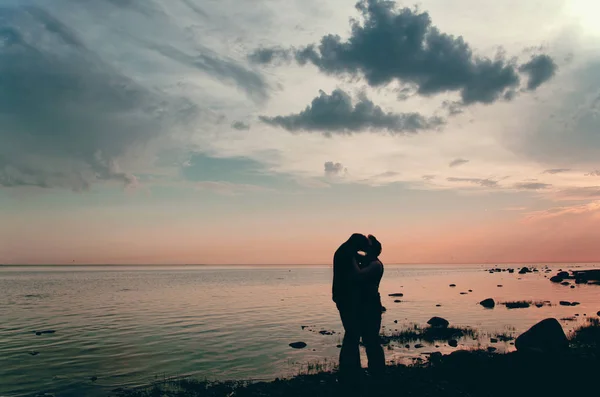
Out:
{"x": 126, "y": 325}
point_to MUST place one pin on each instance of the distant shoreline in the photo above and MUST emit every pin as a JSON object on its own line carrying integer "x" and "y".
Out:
{"x": 568, "y": 263}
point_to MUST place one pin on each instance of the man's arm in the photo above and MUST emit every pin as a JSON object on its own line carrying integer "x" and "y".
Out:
{"x": 372, "y": 270}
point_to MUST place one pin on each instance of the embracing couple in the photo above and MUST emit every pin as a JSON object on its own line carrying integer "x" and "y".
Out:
{"x": 356, "y": 280}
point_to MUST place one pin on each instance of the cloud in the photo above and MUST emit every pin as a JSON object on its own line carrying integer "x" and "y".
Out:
{"x": 428, "y": 177}
{"x": 389, "y": 44}
{"x": 229, "y": 188}
{"x": 336, "y": 114}
{"x": 68, "y": 117}
{"x": 457, "y": 162}
{"x": 593, "y": 173}
{"x": 579, "y": 193}
{"x": 563, "y": 211}
{"x": 476, "y": 181}
{"x": 540, "y": 69}
{"x": 553, "y": 171}
{"x": 240, "y": 125}
{"x": 532, "y": 186}
{"x": 334, "y": 169}
{"x": 226, "y": 70}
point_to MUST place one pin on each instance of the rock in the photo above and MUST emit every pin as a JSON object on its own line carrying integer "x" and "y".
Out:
{"x": 339, "y": 346}
{"x": 562, "y": 274}
{"x": 34, "y": 353}
{"x": 545, "y": 336}
{"x": 397, "y": 301}
{"x": 564, "y": 303}
{"x": 565, "y": 283}
{"x": 438, "y": 305}
{"x": 396, "y": 294}
{"x": 453, "y": 343}
{"x": 303, "y": 326}
{"x": 418, "y": 346}
{"x": 470, "y": 290}
{"x": 491, "y": 349}
{"x": 499, "y": 285}
{"x": 598, "y": 314}
{"x": 407, "y": 346}
{"x": 395, "y": 321}
{"x": 488, "y": 303}
{"x": 511, "y": 270}
{"x": 298, "y": 345}
{"x": 383, "y": 309}
{"x": 524, "y": 270}
{"x": 48, "y": 331}
{"x": 538, "y": 305}
{"x": 493, "y": 340}
{"x": 438, "y": 322}
{"x": 324, "y": 332}
{"x": 556, "y": 279}
{"x": 575, "y": 303}
{"x": 453, "y": 285}
{"x": 572, "y": 286}
{"x": 463, "y": 293}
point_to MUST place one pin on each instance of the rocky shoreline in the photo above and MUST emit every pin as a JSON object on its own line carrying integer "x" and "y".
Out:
{"x": 546, "y": 363}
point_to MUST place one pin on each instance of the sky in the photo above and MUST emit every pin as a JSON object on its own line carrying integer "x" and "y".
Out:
{"x": 268, "y": 131}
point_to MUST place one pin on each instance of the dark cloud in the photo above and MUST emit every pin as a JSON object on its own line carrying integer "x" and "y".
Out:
{"x": 532, "y": 186}
{"x": 428, "y": 177}
{"x": 540, "y": 69}
{"x": 67, "y": 117}
{"x": 475, "y": 181}
{"x": 453, "y": 107}
{"x": 336, "y": 114}
{"x": 390, "y": 44}
{"x": 240, "y": 125}
{"x": 553, "y": 171}
{"x": 593, "y": 173}
{"x": 333, "y": 169}
{"x": 457, "y": 162}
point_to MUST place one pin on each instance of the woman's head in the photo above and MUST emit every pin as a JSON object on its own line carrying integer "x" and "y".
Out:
{"x": 375, "y": 246}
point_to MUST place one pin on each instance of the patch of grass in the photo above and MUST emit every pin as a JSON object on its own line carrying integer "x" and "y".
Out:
{"x": 429, "y": 334}
{"x": 504, "y": 337}
{"x": 587, "y": 334}
{"x": 524, "y": 304}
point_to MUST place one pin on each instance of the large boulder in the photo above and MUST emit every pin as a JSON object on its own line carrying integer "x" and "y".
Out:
{"x": 544, "y": 337}
{"x": 556, "y": 279}
{"x": 488, "y": 303}
{"x": 563, "y": 274}
{"x": 524, "y": 270}
{"x": 438, "y": 322}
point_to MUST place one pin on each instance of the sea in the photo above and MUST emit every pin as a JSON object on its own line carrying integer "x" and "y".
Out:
{"x": 128, "y": 326}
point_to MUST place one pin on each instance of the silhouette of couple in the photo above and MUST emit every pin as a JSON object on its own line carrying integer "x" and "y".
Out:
{"x": 356, "y": 280}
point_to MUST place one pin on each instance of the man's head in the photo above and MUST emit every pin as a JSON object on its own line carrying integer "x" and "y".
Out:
{"x": 359, "y": 242}
{"x": 374, "y": 246}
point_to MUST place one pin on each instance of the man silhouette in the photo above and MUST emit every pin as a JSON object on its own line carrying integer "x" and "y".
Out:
{"x": 358, "y": 316}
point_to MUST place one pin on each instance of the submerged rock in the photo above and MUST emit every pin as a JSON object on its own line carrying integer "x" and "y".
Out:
{"x": 298, "y": 345}
{"x": 438, "y": 322}
{"x": 545, "y": 336}
{"x": 488, "y": 303}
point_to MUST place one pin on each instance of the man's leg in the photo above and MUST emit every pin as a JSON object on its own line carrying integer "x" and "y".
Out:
{"x": 349, "y": 355}
{"x": 371, "y": 326}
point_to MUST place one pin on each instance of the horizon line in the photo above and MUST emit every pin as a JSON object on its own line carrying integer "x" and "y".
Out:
{"x": 297, "y": 264}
